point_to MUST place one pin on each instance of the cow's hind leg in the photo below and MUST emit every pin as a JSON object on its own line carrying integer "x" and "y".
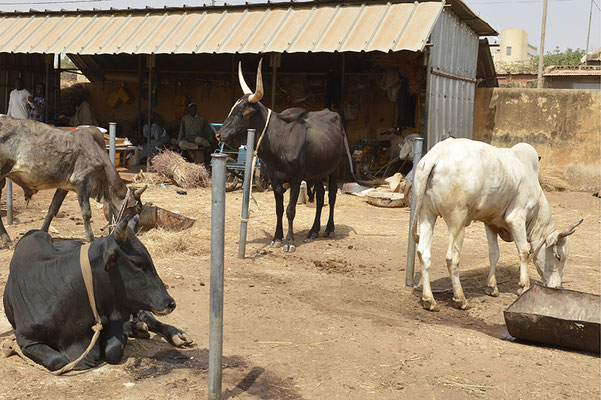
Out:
{"x": 319, "y": 193}
{"x": 493, "y": 256}
{"x": 5, "y": 241}
{"x": 290, "y": 214}
{"x": 424, "y": 252}
{"x": 278, "y": 193}
{"x": 55, "y": 205}
{"x": 173, "y": 335}
{"x": 456, "y": 237}
{"x": 332, "y": 189}
{"x": 86, "y": 212}
{"x": 43, "y": 354}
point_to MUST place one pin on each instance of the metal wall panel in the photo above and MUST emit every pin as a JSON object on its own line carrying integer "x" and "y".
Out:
{"x": 452, "y": 80}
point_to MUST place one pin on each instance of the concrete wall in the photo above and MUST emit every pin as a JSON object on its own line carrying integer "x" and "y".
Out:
{"x": 563, "y": 125}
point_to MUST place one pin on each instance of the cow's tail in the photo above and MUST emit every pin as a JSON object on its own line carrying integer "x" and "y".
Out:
{"x": 372, "y": 183}
{"x": 421, "y": 173}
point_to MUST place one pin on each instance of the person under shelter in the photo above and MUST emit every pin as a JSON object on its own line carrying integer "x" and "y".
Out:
{"x": 18, "y": 103}
{"x": 194, "y": 131}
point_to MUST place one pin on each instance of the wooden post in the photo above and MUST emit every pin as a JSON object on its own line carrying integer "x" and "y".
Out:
{"x": 541, "y": 54}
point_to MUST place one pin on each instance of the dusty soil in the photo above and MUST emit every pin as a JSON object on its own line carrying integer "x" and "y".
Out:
{"x": 334, "y": 320}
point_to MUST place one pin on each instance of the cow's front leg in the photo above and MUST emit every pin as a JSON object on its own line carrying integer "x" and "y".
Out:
{"x": 290, "y": 214}
{"x": 173, "y": 335}
{"x": 319, "y": 193}
{"x": 493, "y": 256}
{"x": 113, "y": 339}
{"x": 5, "y": 241}
{"x": 55, "y": 205}
{"x": 278, "y": 193}
{"x": 518, "y": 231}
{"x": 86, "y": 213}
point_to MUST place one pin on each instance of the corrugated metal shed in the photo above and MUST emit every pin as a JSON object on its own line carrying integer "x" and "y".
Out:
{"x": 294, "y": 29}
{"x": 452, "y": 79}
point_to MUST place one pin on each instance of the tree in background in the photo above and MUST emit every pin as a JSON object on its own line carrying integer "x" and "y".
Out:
{"x": 558, "y": 57}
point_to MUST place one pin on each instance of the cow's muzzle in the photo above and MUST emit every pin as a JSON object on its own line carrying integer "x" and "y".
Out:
{"x": 168, "y": 309}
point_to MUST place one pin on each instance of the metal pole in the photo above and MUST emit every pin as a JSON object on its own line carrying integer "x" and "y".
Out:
{"x": 541, "y": 54}
{"x": 112, "y": 141}
{"x": 216, "y": 300}
{"x": 112, "y": 156}
{"x": 418, "y": 144}
{"x": 248, "y": 169}
{"x": 9, "y": 202}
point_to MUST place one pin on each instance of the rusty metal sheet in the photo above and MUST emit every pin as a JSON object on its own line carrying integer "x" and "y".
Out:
{"x": 557, "y": 317}
{"x": 298, "y": 28}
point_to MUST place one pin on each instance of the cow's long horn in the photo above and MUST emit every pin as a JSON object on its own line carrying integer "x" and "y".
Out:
{"x": 570, "y": 229}
{"x": 243, "y": 84}
{"x": 120, "y": 232}
{"x": 258, "y": 94}
{"x": 138, "y": 192}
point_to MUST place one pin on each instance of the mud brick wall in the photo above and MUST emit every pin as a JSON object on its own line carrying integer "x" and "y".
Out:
{"x": 563, "y": 125}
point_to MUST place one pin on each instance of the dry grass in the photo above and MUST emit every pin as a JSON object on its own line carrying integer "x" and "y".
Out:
{"x": 190, "y": 242}
{"x": 149, "y": 178}
{"x": 185, "y": 175}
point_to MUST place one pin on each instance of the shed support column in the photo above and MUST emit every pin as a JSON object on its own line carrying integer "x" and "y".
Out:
{"x": 150, "y": 62}
{"x": 341, "y": 110}
{"x": 47, "y": 59}
{"x": 275, "y": 62}
{"x": 140, "y": 122}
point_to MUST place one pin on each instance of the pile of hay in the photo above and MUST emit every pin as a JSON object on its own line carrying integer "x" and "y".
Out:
{"x": 173, "y": 166}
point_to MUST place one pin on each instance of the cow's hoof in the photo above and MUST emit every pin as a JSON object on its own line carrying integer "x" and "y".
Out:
{"x": 461, "y": 304}
{"x": 492, "y": 291}
{"x": 275, "y": 244}
{"x": 5, "y": 242}
{"x": 330, "y": 234}
{"x": 311, "y": 236}
{"x": 521, "y": 290}
{"x": 429, "y": 304}
{"x": 289, "y": 248}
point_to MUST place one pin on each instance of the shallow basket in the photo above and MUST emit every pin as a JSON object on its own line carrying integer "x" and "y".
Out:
{"x": 558, "y": 317}
{"x": 385, "y": 199}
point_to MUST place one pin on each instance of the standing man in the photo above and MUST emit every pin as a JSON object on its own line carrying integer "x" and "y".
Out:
{"x": 37, "y": 106}
{"x": 19, "y": 101}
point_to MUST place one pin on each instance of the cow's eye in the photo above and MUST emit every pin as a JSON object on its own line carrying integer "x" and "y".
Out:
{"x": 247, "y": 113}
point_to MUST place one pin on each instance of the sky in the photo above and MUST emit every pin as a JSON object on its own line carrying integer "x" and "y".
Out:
{"x": 567, "y": 20}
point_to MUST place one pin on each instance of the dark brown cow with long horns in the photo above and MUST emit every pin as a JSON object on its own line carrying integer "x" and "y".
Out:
{"x": 295, "y": 146}
{"x": 37, "y": 156}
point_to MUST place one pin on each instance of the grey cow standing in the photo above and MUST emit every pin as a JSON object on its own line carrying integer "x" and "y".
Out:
{"x": 37, "y": 156}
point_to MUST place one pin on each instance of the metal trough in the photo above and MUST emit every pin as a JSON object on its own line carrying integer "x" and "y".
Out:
{"x": 557, "y": 317}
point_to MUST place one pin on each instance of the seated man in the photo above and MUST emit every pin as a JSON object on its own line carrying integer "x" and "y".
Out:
{"x": 158, "y": 138}
{"x": 194, "y": 130}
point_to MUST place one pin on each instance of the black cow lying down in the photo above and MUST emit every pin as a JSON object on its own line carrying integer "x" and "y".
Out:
{"x": 46, "y": 302}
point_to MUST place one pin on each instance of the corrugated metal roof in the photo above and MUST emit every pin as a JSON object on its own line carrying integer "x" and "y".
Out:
{"x": 317, "y": 28}
{"x": 573, "y": 70}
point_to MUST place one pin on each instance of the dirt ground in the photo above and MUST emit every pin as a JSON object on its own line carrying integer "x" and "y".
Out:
{"x": 334, "y": 320}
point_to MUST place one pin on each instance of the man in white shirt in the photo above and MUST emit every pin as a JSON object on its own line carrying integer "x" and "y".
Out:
{"x": 18, "y": 102}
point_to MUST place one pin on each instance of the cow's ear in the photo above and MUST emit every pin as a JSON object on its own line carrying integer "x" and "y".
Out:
{"x": 552, "y": 239}
{"x": 247, "y": 113}
{"x": 109, "y": 256}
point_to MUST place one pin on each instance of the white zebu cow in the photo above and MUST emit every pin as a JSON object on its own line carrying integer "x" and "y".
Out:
{"x": 464, "y": 181}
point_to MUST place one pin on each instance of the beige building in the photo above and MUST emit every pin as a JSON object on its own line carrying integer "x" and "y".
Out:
{"x": 513, "y": 49}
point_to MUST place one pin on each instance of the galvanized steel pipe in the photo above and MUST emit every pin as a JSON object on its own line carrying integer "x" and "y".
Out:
{"x": 418, "y": 144}
{"x": 9, "y": 202}
{"x": 217, "y": 250}
{"x": 248, "y": 176}
{"x": 112, "y": 156}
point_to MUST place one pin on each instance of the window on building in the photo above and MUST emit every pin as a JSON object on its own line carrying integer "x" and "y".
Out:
{"x": 508, "y": 50}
